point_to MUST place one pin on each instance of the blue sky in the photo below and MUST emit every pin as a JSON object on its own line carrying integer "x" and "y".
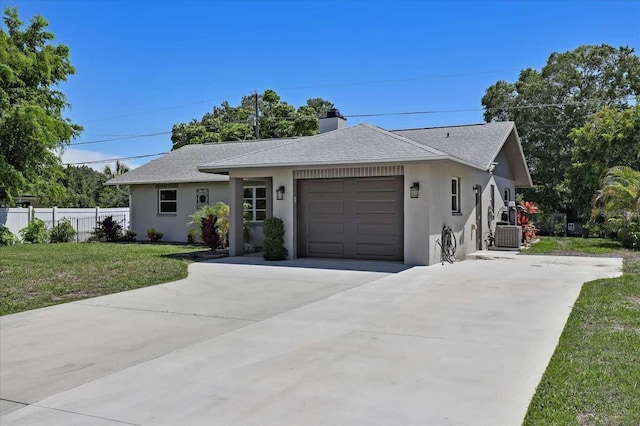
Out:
{"x": 142, "y": 66}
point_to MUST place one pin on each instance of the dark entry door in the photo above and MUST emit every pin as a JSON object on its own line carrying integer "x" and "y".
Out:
{"x": 478, "y": 191}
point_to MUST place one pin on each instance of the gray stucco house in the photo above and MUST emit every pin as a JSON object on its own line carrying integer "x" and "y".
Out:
{"x": 358, "y": 192}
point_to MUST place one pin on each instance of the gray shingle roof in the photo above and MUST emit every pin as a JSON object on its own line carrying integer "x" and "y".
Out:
{"x": 477, "y": 144}
{"x": 182, "y": 164}
{"x": 363, "y": 143}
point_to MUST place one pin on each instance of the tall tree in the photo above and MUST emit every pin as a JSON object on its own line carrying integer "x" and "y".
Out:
{"x": 610, "y": 138}
{"x": 31, "y": 108}
{"x": 277, "y": 119}
{"x": 547, "y": 104}
{"x": 83, "y": 187}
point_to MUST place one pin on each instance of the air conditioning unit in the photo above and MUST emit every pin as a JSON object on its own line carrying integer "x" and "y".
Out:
{"x": 508, "y": 236}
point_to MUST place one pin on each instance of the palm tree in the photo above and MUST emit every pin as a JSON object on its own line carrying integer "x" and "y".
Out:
{"x": 618, "y": 201}
{"x": 120, "y": 169}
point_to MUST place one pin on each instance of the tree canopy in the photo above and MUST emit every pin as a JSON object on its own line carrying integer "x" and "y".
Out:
{"x": 277, "y": 119}
{"x": 547, "y": 104}
{"x": 31, "y": 108}
{"x": 610, "y": 138}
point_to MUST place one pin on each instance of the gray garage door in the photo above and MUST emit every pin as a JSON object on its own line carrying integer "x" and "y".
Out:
{"x": 354, "y": 218}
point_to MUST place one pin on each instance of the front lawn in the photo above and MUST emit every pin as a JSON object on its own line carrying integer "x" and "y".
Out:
{"x": 37, "y": 275}
{"x": 593, "y": 377}
{"x": 574, "y": 245}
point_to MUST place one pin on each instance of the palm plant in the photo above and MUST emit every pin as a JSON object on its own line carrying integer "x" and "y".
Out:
{"x": 618, "y": 201}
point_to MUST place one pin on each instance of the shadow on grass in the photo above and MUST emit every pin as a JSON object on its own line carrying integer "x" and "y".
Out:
{"x": 197, "y": 255}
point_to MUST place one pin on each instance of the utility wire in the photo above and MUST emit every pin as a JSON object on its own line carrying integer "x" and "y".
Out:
{"x": 345, "y": 84}
{"x": 114, "y": 159}
{"x": 400, "y": 113}
{"x": 146, "y": 135}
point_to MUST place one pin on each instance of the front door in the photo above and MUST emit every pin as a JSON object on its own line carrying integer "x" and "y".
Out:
{"x": 478, "y": 191}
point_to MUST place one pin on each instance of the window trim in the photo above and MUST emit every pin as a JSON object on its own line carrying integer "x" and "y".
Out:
{"x": 160, "y": 201}
{"x": 455, "y": 195}
{"x": 254, "y": 210}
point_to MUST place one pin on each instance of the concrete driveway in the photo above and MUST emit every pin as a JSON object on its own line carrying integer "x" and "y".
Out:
{"x": 307, "y": 342}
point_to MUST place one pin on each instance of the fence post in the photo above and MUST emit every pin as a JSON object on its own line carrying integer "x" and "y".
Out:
{"x": 54, "y": 210}
{"x": 30, "y": 213}
{"x": 77, "y": 229}
{"x": 97, "y": 215}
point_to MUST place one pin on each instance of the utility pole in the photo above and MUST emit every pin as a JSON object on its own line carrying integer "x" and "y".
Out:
{"x": 257, "y": 118}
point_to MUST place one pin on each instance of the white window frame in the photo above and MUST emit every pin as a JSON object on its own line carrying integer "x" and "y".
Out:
{"x": 252, "y": 211}
{"x": 161, "y": 201}
{"x": 455, "y": 196}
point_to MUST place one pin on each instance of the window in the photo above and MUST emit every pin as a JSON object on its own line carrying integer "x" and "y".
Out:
{"x": 455, "y": 195}
{"x": 255, "y": 203}
{"x": 167, "y": 201}
{"x": 507, "y": 196}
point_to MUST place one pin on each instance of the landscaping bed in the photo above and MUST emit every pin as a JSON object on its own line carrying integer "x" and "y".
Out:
{"x": 593, "y": 377}
{"x": 37, "y": 275}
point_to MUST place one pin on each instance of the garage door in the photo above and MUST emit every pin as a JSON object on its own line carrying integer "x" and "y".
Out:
{"x": 353, "y": 218}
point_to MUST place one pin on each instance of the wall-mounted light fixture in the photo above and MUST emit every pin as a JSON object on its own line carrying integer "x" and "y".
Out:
{"x": 414, "y": 190}
{"x": 491, "y": 167}
{"x": 476, "y": 188}
{"x": 280, "y": 193}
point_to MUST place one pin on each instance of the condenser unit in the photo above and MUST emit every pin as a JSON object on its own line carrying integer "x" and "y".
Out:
{"x": 508, "y": 236}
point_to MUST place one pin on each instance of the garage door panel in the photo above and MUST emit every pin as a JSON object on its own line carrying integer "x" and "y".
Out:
{"x": 320, "y": 207}
{"x": 375, "y": 206}
{"x": 328, "y": 248}
{"x": 376, "y": 185}
{"x": 355, "y": 218}
{"x": 377, "y": 229}
{"x": 324, "y": 228}
{"x": 326, "y": 186}
{"x": 378, "y": 250}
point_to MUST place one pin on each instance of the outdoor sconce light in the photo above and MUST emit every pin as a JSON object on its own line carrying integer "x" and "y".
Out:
{"x": 280, "y": 193}
{"x": 414, "y": 190}
{"x": 475, "y": 189}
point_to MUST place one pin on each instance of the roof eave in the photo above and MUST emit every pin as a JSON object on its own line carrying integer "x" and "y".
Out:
{"x": 224, "y": 169}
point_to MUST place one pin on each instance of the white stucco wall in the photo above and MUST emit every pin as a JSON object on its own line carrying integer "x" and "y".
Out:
{"x": 144, "y": 208}
{"x": 424, "y": 217}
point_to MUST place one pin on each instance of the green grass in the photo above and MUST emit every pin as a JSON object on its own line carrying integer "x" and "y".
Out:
{"x": 37, "y": 275}
{"x": 569, "y": 245}
{"x": 593, "y": 377}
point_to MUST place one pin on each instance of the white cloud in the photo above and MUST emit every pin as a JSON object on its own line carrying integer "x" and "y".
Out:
{"x": 72, "y": 155}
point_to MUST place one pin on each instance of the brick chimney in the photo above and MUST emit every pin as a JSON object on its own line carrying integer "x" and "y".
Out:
{"x": 333, "y": 121}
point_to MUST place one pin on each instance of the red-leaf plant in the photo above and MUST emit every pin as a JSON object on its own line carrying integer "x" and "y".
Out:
{"x": 525, "y": 210}
{"x": 210, "y": 235}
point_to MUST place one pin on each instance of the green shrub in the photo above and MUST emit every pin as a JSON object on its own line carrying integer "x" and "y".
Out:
{"x": 273, "y": 243}
{"x": 6, "y": 237}
{"x": 35, "y": 232}
{"x": 191, "y": 239}
{"x": 154, "y": 235}
{"x": 107, "y": 230}
{"x": 129, "y": 235}
{"x": 63, "y": 232}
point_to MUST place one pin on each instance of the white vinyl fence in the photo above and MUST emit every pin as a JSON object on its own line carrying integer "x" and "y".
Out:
{"x": 83, "y": 220}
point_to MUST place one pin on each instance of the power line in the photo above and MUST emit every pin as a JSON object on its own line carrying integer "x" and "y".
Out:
{"x": 146, "y": 135}
{"x": 387, "y": 114}
{"x": 114, "y": 159}
{"x": 319, "y": 86}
